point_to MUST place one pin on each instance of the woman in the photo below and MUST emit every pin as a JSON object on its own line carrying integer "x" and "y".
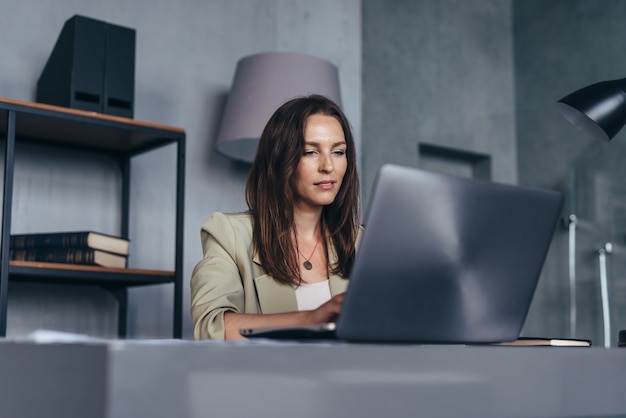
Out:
{"x": 287, "y": 259}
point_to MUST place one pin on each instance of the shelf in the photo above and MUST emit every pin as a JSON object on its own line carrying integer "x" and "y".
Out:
{"x": 124, "y": 138}
{"x": 79, "y": 128}
{"x": 82, "y": 274}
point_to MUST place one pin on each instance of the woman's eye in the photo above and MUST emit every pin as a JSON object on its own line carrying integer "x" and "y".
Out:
{"x": 309, "y": 152}
{"x": 339, "y": 152}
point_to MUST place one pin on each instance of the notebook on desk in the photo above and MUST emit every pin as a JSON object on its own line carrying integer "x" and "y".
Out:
{"x": 443, "y": 260}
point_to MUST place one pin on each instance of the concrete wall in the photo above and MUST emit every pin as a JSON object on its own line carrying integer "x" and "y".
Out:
{"x": 561, "y": 46}
{"x": 438, "y": 73}
{"x": 185, "y": 61}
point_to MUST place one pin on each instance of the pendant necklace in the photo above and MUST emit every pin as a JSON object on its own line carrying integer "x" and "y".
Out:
{"x": 307, "y": 264}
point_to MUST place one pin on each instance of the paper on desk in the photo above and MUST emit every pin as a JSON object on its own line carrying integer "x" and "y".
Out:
{"x": 48, "y": 336}
{"x": 43, "y": 336}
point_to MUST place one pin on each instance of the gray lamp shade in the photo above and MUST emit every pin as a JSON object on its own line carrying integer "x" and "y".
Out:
{"x": 262, "y": 83}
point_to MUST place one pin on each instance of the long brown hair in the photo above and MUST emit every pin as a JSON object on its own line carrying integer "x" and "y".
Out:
{"x": 270, "y": 192}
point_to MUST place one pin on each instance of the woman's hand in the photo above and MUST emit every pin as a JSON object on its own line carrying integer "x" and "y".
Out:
{"x": 328, "y": 312}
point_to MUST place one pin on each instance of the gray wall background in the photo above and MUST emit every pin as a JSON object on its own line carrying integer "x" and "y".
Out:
{"x": 473, "y": 80}
{"x": 439, "y": 73}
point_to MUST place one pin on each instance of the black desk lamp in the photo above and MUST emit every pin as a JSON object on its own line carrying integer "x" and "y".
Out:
{"x": 599, "y": 110}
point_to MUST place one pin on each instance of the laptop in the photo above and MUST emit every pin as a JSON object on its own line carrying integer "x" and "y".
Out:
{"x": 443, "y": 260}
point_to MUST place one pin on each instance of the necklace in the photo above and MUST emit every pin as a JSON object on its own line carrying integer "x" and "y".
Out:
{"x": 307, "y": 264}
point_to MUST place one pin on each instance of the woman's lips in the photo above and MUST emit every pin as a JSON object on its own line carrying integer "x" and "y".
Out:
{"x": 326, "y": 184}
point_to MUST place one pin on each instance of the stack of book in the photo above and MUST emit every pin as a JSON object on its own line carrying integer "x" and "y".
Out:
{"x": 74, "y": 247}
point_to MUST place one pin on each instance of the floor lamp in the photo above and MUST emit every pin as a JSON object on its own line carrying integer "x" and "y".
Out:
{"x": 599, "y": 110}
{"x": 261, "y": 84}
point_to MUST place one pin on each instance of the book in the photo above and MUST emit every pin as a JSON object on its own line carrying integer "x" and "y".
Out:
{"x": 70, "y": 239}
{"x": 553, "y": 342}
{"x": 87, "y": 256}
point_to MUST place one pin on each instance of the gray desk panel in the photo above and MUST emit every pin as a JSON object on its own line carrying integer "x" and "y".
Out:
{"x": 192, "y": 379}
{"x": 54, "y": 380}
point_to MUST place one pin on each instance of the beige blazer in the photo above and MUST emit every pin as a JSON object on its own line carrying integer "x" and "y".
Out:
{"x": 230, "y": 278}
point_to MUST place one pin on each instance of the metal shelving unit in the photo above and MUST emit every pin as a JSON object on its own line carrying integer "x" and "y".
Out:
{"x": 120, "y": 137}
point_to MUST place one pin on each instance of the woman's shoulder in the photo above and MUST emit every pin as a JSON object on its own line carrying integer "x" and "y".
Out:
{"x": 232, "y": 217}
{"x": 239, "y": 221}
{"x": 359, "y": 235}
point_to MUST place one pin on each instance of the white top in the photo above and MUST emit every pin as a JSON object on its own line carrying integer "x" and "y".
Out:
{"x": 312, "y": 295}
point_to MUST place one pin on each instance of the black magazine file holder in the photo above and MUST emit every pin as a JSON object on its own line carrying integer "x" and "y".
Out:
{"x": 91, "y": 67}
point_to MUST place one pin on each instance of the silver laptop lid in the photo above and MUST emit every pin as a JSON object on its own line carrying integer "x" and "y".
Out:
{"x": 447, "y": 259}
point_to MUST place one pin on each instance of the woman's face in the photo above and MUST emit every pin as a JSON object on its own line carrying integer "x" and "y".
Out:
{"x": 323, "y": 164}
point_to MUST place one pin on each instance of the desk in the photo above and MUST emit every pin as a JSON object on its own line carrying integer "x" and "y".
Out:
{"x": 178, "y": 379}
